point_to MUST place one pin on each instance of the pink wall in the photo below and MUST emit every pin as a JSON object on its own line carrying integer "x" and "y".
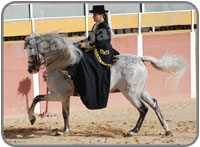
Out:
{"x": 18, "y": 83}
{"x": 156, "y": 46}
{"x": 125, "y": 44}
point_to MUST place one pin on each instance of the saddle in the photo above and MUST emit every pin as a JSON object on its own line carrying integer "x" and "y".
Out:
{"x": 68, "y": 78}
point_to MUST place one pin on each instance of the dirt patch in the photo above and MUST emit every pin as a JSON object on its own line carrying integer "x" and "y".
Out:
{"x": 107, "y": 126}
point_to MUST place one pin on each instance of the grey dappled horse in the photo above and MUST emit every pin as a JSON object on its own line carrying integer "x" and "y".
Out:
{"x": 128, "y": 75}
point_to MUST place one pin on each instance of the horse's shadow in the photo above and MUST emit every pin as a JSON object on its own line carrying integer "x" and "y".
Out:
{"x": 26, "y": 133}
{"x": 85, "y": 134}
{"x": 98, "y": 131}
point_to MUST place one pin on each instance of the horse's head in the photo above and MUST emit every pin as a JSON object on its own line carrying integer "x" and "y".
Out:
{"x": 34, "y": 57}
{"x": 52, "y": 49}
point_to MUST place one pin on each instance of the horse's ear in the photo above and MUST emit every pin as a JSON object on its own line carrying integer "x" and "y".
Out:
{"x": 31, "y": 37}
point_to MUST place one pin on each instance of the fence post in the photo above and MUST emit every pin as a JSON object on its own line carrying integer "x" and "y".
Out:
{"x": 139, "y": 37}
{"x": 35, "y": 76}
{"x": 86, "y": 19}
{"x": 193, "y": 57}
{"x": 110, "y": 23}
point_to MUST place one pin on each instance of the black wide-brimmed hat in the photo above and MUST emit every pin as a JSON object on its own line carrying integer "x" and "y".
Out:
{"x": 98, "y": 9}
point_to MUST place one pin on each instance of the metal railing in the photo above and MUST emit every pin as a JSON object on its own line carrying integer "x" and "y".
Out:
{"x": 85, "y": 10}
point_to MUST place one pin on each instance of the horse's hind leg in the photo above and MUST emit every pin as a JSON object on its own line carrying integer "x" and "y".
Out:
{"x": 142, "y": 108}
{"x": 154, "y": 105}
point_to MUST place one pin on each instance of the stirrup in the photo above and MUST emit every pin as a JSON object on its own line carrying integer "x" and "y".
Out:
{"x": 65, "y": 73}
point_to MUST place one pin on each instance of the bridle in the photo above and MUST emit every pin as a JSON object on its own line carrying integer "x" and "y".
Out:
{"x": 36, "y": 62}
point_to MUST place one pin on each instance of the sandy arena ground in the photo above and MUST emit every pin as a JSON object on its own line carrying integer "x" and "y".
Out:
{"x": 108, "y": 126}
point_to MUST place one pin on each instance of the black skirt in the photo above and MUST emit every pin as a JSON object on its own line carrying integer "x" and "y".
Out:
{"x": 91, "y": 80}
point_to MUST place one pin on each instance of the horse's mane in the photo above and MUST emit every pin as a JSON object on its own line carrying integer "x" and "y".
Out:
{"x": 61, "y": 52}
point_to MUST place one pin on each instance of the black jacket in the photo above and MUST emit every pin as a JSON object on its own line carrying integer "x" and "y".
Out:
{"x": 99, "y": 42}
{"x": 91, "y": 75}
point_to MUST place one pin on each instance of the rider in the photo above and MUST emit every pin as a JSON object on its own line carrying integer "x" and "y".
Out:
{"x": 91, "y": 75}
{"x": 100, "y": 36}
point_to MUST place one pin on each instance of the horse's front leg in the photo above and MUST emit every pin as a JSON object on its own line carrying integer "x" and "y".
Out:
{"x": 48, "y": 97}
{"x": 65, "y": 112}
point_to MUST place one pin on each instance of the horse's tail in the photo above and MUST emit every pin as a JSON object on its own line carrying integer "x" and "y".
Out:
{"x": 175, "y": 65}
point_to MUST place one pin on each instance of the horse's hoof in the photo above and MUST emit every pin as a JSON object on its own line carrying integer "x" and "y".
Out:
{"x": 61, "y": 133}
{"x": 32, "y": 120}
{"x": 130, "y": 133}
{"x": 167, "y": 133}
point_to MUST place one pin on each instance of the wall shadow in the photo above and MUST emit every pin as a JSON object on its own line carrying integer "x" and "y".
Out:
{"x": 24, "y": 89}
